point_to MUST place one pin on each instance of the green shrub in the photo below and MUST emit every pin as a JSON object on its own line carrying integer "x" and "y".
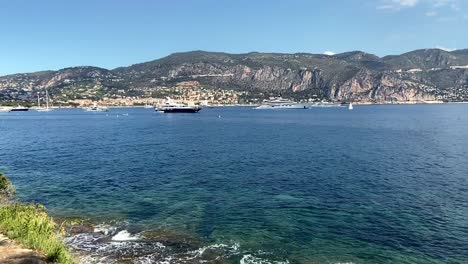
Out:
{"x": 30, "y": 225}
{"x": 7, "y": 190}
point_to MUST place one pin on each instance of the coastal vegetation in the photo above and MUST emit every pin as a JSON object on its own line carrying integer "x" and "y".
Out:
{"x": 7, "y": 190}
{"x": 30, "y": 225}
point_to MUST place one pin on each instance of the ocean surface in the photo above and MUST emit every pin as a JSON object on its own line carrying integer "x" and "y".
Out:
{"x": 379, "y": 184}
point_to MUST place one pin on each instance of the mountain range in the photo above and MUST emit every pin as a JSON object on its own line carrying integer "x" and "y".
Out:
{"x": 420, "y": 75}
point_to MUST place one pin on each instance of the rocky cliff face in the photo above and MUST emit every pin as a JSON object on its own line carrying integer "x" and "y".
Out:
{"x": 352, "y": 76}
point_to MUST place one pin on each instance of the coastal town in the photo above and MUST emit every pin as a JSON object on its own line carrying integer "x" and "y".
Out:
{"x": 189, "y": 92}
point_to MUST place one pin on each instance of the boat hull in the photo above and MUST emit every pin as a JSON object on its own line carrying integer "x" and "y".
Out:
{"x": 97, "y": 110}
{"x": 19, "y": 110}
{"x": 181, "y": 110}
{"x": 44, "y": 110}
{"x": 280, "y": 107}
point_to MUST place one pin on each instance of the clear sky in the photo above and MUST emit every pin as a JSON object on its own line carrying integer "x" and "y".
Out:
{"x": 53, "y": 34}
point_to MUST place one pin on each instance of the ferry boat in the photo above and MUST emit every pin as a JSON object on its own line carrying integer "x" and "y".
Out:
{"x": 19, "y": 109}
{"x": 172, "y": 107}
{"x": 280, "y": 103}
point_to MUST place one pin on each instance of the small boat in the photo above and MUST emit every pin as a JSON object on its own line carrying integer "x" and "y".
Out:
{"x": 172, "y": 107}
{"x": 350, "y": 106}
{"x": 96, "y": 108}
{"x": 19, "y": 109}
{"x": 280, "y": 103}
{"x": 148, "y": 106}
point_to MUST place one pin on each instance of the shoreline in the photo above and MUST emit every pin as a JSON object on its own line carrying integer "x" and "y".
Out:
{"x": 311, "y": 105}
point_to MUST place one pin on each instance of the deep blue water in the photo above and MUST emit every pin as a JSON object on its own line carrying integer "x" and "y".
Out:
{"x": 379, "y": 184}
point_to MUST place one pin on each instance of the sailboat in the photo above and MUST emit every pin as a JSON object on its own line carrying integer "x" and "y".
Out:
{"x": 350, "y": 106}
{"x": 42, "y": 109}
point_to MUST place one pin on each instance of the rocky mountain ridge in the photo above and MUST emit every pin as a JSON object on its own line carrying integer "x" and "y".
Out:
{"x": 421, "y": 75}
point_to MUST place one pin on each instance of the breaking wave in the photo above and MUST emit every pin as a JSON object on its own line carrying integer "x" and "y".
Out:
{"x": 124, "y": 235}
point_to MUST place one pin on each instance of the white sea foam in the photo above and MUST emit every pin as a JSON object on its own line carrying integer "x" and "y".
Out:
{"x": 105, "y": 229}
{"x": 108, "y": 245}
{"x": 227, "y": 249}
{"x": 250, "y": 259}
{"x": 124, "y": 235}
{"x": 105, "y": 245}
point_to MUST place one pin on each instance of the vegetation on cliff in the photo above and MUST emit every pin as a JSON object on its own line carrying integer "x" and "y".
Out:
{"x": 421, "y": 75}
{"x": 30, "y": 225}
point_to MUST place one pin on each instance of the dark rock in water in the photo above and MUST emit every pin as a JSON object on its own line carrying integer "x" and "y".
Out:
{"x": 75, "y": 226}
{"x": 212, "y": 253}
{"x": 79, "y": 228}
{"x": 172, "y": 239}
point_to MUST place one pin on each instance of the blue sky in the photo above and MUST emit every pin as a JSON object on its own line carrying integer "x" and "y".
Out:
{"x": 53, "y": 34}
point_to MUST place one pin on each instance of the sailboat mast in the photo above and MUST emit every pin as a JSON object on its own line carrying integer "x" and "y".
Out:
{"x": 47, "y": 99}
{"x": 38, "y": 101}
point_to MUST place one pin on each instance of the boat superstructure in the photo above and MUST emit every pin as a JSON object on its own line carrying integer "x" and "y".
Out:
{"x": 280, "y": 103}
{"x": 172, "y": 107}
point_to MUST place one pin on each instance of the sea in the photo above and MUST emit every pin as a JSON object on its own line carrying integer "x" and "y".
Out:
{"x": 378, "y": 184}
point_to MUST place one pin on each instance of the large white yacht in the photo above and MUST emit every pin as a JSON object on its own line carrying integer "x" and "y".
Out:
{"x": 280, "y": 103}
{"x": 171, "y": 107}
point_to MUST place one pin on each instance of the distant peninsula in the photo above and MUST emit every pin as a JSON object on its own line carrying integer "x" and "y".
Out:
{"x": 221, "y": 78}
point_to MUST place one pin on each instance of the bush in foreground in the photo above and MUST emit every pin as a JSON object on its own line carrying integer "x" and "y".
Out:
{"x": 30, "y": 225}
{"x": 7, "y": 190}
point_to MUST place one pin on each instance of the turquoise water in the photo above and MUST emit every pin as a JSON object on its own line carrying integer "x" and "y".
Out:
{"x": 379, "y": 184}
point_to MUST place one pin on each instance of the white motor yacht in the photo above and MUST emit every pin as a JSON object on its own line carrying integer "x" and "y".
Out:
{"x": 280, "y": 103}
{"x": 171, "y": 107}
